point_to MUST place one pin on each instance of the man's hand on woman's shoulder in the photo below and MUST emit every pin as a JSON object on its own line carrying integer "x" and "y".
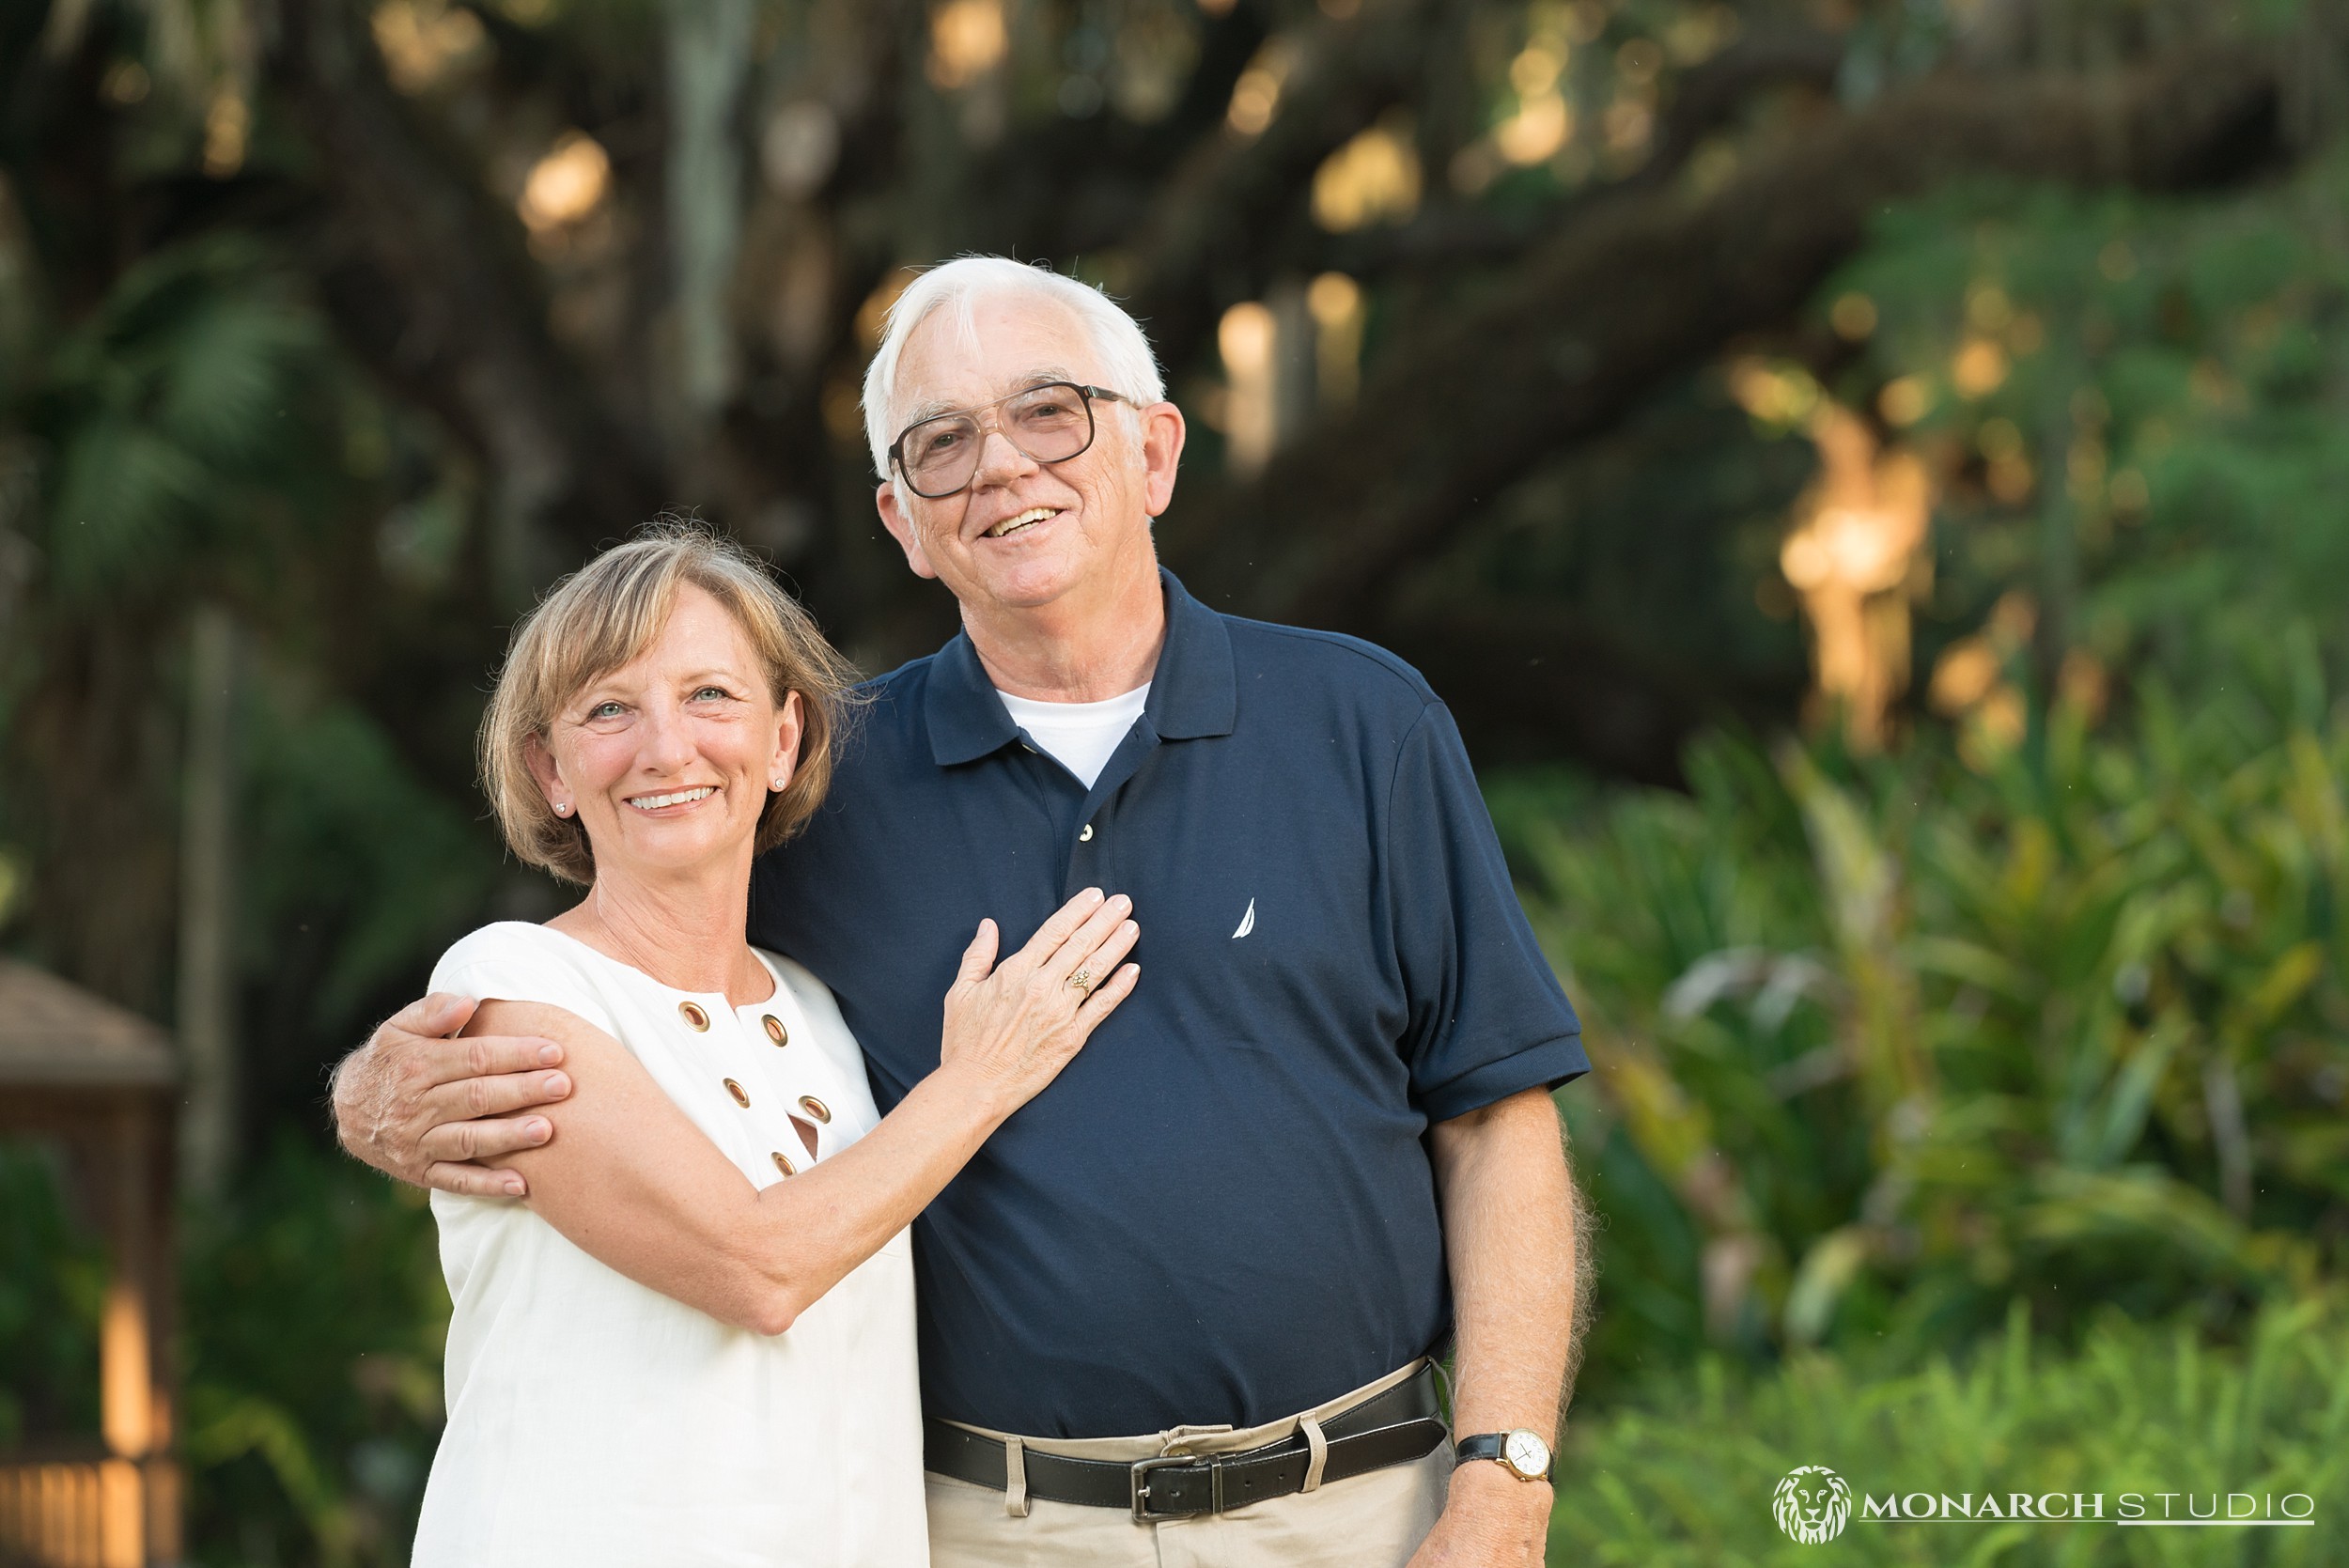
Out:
{"x": 435, "y": 1110}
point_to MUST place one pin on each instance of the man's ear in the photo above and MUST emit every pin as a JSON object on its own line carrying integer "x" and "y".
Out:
{"x": 893, "y": 516}
{"x": 1162, "y": 433}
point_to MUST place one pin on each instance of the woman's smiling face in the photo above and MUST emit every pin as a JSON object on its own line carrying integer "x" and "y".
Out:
{"x": 668, "y": 761}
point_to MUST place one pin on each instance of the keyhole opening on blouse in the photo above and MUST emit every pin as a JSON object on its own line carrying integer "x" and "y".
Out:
{"x": 807, "y": 1133}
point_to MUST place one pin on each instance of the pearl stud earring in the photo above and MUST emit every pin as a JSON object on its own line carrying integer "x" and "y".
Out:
{"x": 562, "y": 808}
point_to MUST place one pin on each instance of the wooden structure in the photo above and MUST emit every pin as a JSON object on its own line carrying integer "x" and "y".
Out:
{"x": 101, "y": 1081}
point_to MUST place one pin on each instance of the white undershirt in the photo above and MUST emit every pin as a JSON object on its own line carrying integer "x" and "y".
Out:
{"x": 1081, "y": 735}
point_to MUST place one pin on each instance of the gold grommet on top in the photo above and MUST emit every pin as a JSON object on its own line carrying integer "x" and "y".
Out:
{"x": 741, "y": 1097}
{"x": 784, "y": 1165}
{"x": 775, "y": 1030}
{"x": 694, "y": 1015}
{"x": 815, "y": 1108}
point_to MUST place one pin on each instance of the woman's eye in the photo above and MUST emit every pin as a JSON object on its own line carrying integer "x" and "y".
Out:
{"x": 606, "y": 710}
{"x": 712, "y": 694}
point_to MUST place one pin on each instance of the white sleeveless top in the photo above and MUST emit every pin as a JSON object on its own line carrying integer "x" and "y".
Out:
{"x": 594, "y": 1421}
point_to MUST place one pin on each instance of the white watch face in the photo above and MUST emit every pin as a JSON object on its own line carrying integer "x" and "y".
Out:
{"x": 1526, "y": 1452}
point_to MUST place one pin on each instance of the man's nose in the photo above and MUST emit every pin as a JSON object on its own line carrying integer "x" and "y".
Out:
{"x": 999, "y": 460}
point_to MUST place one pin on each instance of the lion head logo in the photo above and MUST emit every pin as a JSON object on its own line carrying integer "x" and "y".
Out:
{"x": 1813, "y": 1504}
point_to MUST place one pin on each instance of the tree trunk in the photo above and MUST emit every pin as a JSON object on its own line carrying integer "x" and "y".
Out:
{"x": 208, "y": 948}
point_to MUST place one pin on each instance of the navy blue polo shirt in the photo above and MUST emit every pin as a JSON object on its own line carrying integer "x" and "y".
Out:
{"x": 1223, "y": 1210}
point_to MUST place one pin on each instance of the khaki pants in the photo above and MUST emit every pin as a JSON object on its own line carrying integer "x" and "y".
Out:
{"x": 1370, "y": 1521}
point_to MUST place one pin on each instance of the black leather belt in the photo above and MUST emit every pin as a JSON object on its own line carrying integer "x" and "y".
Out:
{"x": 1390, "y": 1428}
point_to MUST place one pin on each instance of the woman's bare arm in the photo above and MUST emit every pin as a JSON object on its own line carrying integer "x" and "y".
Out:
{"x": 633, "y": 1183}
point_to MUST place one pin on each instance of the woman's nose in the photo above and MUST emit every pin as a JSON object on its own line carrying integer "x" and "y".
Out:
{"x": 667, "y": 741}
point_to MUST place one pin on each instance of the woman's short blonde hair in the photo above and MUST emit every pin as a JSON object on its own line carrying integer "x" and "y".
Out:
{"x": 603, "y": 615}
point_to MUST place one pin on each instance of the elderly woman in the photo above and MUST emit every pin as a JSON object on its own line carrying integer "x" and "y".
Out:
{"x": 693, "y": 1341}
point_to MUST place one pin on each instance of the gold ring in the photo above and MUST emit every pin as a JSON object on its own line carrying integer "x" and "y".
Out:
{"x": 1083, "y": 980}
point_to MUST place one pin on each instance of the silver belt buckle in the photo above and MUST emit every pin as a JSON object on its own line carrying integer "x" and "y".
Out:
{"x": 1139, "y": 1482}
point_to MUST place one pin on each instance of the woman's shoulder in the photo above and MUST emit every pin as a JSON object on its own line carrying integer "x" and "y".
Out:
{"x": 512, "y": 942}
{"x": 513, "y": 960}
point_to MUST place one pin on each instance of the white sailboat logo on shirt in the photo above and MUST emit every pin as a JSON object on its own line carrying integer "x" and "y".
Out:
{"x": 1247, "y": 921}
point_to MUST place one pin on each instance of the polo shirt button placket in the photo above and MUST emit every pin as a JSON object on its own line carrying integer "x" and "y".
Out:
{"x": 1084, "y": 866}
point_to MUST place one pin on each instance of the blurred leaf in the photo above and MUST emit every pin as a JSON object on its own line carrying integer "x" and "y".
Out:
{"x": 2019, "y": 964}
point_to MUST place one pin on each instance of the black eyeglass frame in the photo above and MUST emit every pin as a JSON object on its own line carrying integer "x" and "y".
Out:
{"x": 1093, "y": 430}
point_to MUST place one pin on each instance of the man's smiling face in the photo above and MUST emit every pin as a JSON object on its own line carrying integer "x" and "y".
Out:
{"x": 1023, "y": 534}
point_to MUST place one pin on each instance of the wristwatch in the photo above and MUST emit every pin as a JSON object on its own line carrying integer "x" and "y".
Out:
{"x": 1524, "y": 1455}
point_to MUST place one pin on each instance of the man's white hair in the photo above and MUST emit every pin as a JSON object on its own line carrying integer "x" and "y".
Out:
{"x": 1128, "y": 367}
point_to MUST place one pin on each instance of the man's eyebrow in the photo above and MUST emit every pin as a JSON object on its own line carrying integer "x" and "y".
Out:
{"x": 1041, "y": 375}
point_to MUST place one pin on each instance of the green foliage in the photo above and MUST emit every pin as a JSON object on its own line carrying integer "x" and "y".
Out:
{"x": 312, "y": 1318}
{"x": 354, "y": 861}
{"x": 52, "y": 1284}
{"x": 164, "y": 411}
{"x": 314, "y": 1315}
{"x": 1687, "y": 1474}
{"x": 1882, "y": 1049}
{"x": 2137, "y": 402}
{"x": 198, "y": 435}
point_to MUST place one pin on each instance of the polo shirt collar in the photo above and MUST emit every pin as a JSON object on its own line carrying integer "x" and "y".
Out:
{"x": 968, "y": 720}
{"x": 1193, "y": 691}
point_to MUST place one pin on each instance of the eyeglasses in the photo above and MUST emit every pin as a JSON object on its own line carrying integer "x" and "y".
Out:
{"x": 1048, "y": 424}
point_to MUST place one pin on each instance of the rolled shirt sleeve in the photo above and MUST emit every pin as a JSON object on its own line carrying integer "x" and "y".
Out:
{"x": 1487, "y": 1017}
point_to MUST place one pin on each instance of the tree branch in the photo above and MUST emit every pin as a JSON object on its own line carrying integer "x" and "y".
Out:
{"x": 1653, "y": 285}
{"x": 1703, "y": 100}
{"x": 1203, "y": 243}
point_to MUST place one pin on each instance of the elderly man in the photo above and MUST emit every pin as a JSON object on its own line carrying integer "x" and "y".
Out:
{"x": 1179, "y": 1310}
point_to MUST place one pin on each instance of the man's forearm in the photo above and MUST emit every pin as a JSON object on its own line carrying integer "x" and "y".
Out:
{"x": 1509, "y": 1238}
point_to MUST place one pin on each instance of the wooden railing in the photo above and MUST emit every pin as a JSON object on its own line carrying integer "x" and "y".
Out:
{"x": 89, "y": 1512}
